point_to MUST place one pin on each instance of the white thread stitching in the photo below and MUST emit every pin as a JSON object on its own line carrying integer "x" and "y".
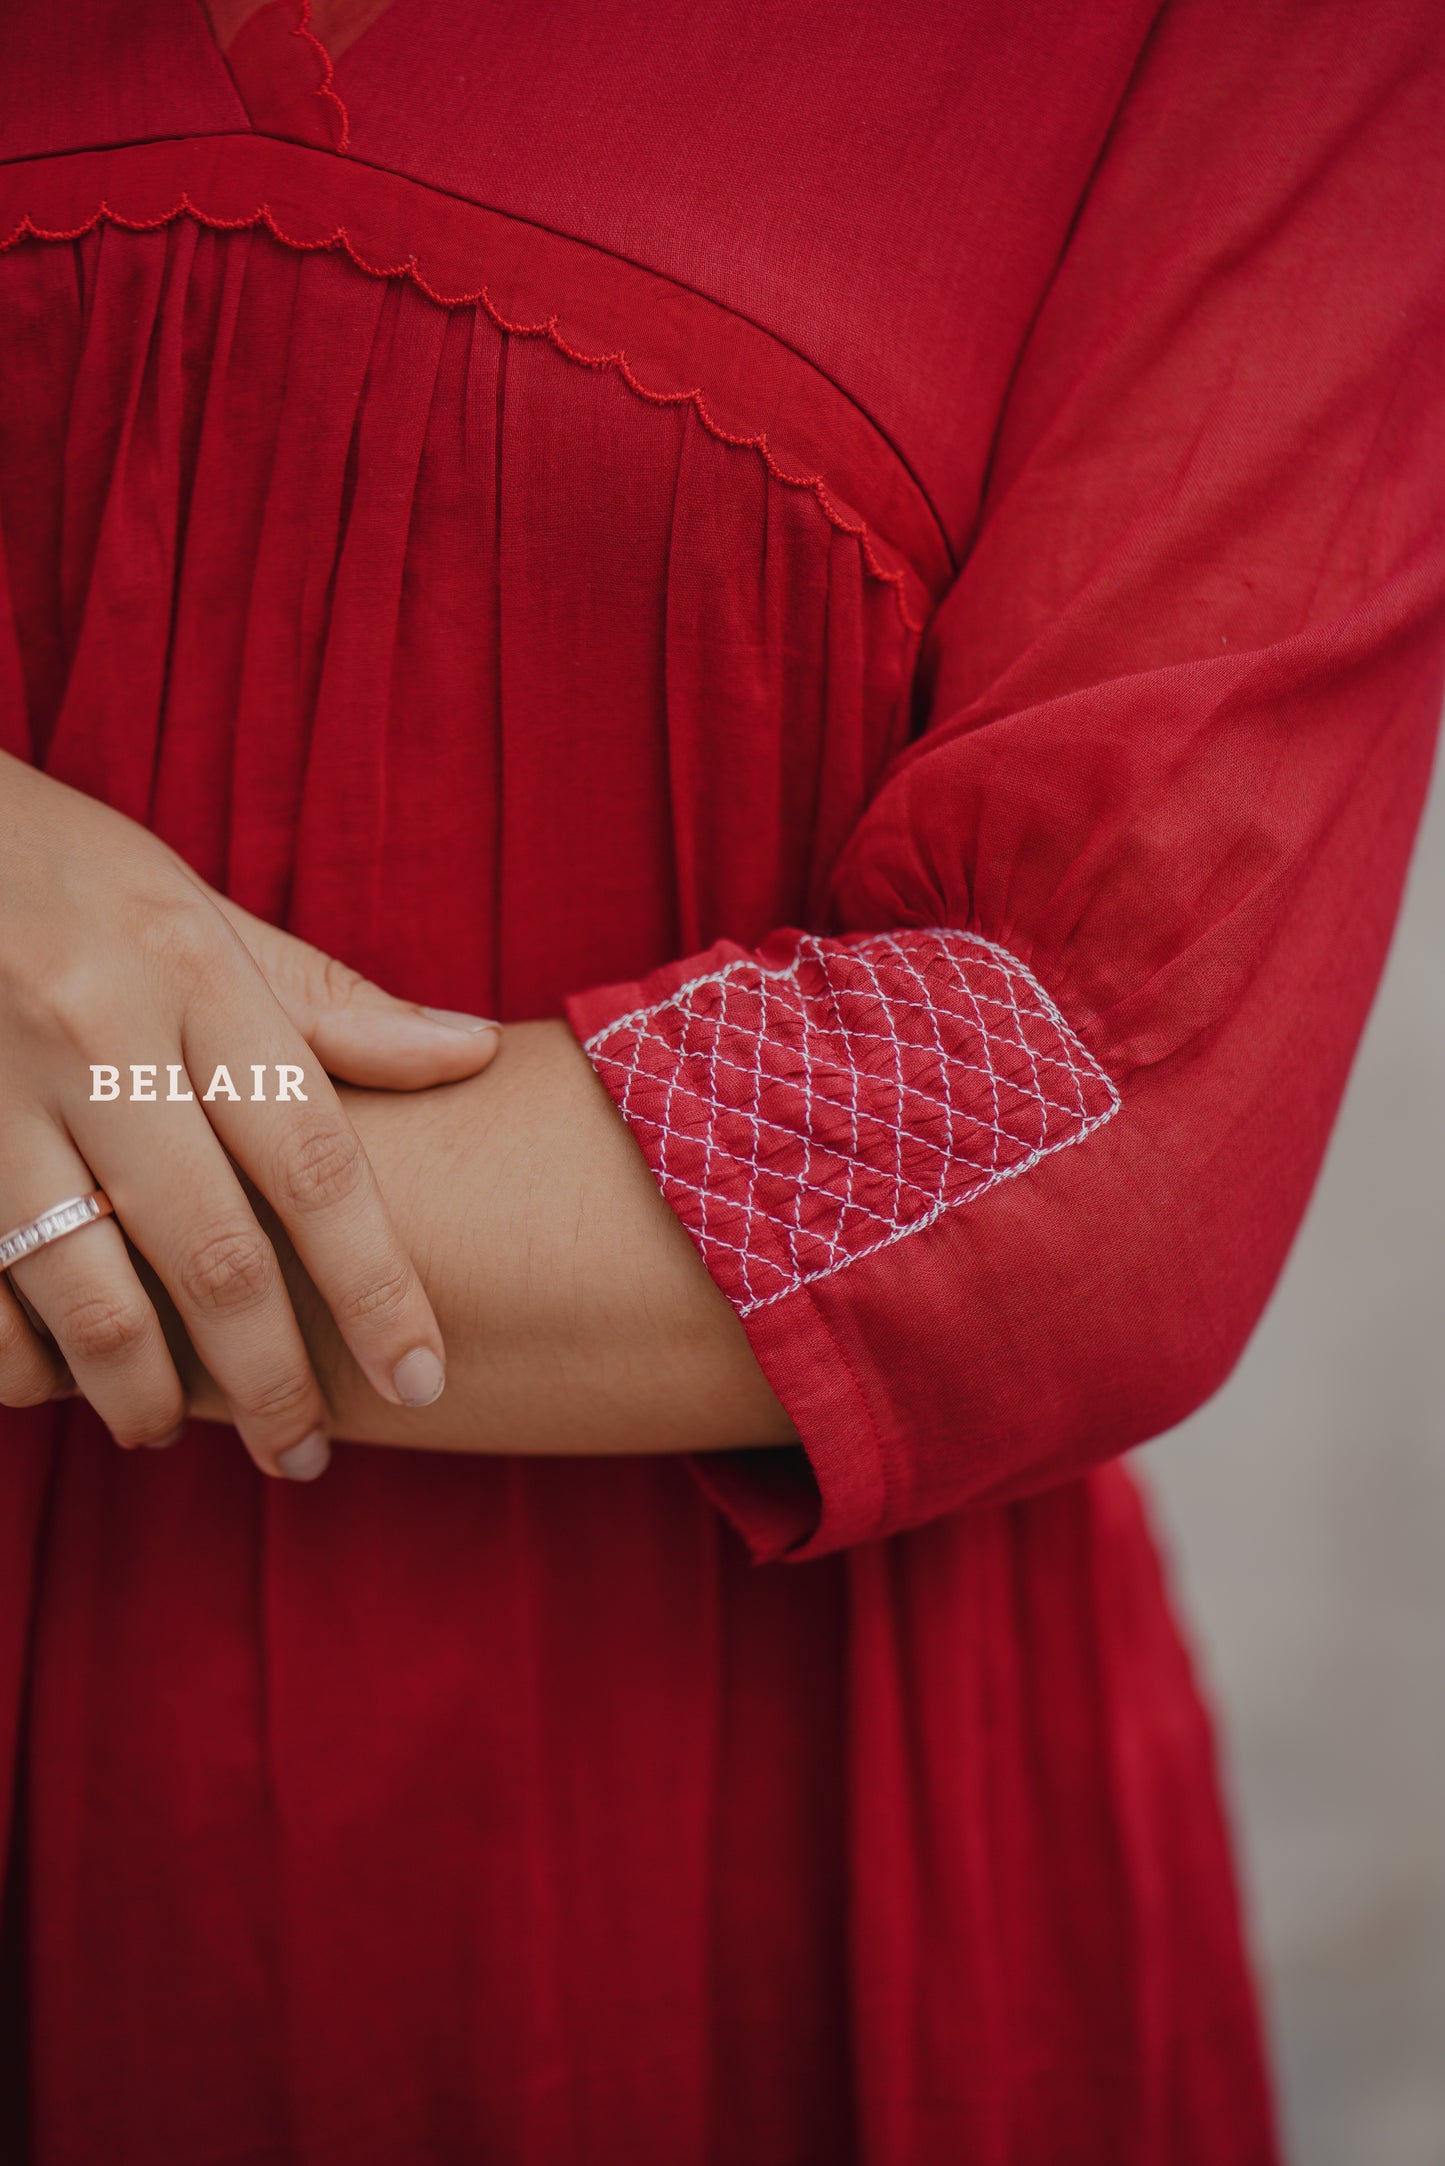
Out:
{"x": 760, "y": 1065}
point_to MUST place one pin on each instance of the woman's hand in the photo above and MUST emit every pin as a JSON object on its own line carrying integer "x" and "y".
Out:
{"x": 579, "y": 1316}
{"x": 113, "y": 953}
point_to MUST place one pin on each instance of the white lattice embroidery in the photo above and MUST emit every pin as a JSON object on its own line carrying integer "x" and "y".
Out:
{"x": 802, "y": 1117}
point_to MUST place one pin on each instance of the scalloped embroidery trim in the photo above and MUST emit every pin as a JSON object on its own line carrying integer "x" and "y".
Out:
{"x": 302, "y": 28}
{"x": 340, "y": 242}
{"x": 326, "y": 88}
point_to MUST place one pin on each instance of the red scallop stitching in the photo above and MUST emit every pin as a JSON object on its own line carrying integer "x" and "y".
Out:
{"x": 326, "y": 87}
{"x": 341, "y": 240}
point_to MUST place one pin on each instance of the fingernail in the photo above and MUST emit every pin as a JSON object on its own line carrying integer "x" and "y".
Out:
{"x": 455, "y": 1020}
{"x": 418, "y": 1377}
{"x": 304, "y": 1461}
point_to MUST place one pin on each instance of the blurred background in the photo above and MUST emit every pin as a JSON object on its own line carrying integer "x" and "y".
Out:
{"x": 1304, "y": 1514}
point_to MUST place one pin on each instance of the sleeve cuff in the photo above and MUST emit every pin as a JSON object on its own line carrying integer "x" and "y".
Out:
{"x": 794, "y": 1505}
{"x": 790, "y": 1503}
{"x": 804, "y": 1107}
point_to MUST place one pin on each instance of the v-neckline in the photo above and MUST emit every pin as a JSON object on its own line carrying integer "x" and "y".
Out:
{"x": 282, "y": 56}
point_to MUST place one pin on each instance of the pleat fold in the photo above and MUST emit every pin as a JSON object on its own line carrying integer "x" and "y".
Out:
{"x": 501, "y": 1806}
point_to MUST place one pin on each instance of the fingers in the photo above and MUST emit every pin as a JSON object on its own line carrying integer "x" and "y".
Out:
{"x": 359, "y": 1032}
{"x": 85, "y": 1289}
{"x": 178, "y": 1198}
{"x": 308, "y": 1162}
{"x": 31, "y": 1370}
{"x": 112, "y": 943}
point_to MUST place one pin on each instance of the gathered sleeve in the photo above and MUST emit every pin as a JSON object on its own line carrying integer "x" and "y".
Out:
{"x": 1000, "y": 1162}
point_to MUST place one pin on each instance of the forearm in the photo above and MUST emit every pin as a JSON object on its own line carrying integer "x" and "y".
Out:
{"x": 577, "y": 1314}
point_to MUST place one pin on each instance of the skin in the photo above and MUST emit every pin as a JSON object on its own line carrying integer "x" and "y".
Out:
{"x": 460, "y": 1206}
{"x": 113, "y": 951}
{"x": 579, "y": 1317}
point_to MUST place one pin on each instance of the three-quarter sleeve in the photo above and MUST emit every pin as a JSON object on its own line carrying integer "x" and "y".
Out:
{"x": 1000, "y": 1162}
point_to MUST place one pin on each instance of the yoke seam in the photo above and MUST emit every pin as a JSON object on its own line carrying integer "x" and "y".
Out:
{"x": 339, "y": 242}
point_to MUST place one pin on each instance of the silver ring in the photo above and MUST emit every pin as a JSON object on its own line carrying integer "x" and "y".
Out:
{"x": 60, "y": 1219}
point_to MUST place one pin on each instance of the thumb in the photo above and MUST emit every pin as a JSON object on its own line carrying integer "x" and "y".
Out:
{"x": 358, "y": 1032}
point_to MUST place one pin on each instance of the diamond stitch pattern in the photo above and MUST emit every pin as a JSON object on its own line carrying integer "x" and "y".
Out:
{"x": 800, "y": 1117}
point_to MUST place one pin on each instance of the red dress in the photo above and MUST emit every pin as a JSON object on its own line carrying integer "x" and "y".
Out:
{"x": 889, "y": 566}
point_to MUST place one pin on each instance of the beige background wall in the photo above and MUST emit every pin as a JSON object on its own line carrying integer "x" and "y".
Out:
{"x": 1304, "y": 1509}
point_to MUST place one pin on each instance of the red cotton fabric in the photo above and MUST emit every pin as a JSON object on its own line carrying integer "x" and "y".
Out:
{"x": 889, "y": 566}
